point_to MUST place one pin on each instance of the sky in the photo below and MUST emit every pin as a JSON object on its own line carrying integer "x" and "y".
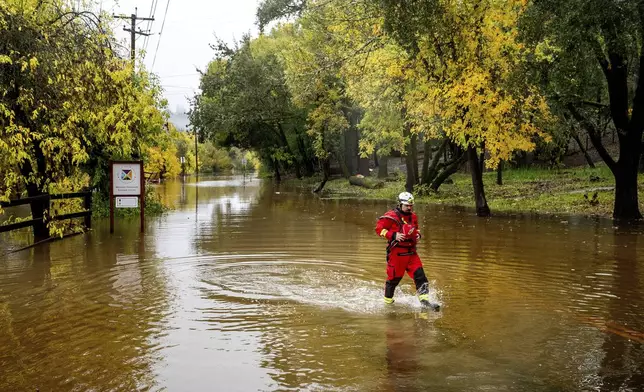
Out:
{"x": 183, "y": 46}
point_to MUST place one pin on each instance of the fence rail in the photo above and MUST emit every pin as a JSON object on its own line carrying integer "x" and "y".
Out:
{"x": 19, "y": 225}
{"x": 23, "y": 201}
{"x": 46, "y": 200}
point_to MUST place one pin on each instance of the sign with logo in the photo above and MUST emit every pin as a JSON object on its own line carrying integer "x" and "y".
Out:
{"x": 127, "y": 179}
{"x": 127, "y": 188}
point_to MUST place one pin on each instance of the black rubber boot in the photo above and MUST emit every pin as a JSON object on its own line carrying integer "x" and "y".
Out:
{"x": 390, "y": 288}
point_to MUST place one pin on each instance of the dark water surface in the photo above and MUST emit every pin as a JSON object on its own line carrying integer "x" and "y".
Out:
{"x": 246, "y": 287}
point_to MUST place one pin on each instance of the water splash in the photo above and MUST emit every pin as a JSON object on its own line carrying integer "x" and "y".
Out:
{"x": 309, "y": 283}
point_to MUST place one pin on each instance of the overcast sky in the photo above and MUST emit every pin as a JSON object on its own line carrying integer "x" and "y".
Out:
{"x": 190, "y": 26}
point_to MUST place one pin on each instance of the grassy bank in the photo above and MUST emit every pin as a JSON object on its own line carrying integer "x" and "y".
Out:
{"x": 581, "y": 191}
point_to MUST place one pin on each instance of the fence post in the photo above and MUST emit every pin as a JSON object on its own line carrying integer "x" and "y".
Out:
{"x": 40, "y": 211}
{"x": 87, "y": 204}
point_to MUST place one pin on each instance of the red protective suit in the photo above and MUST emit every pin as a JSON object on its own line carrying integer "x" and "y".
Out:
{"x": 401, "y": 256}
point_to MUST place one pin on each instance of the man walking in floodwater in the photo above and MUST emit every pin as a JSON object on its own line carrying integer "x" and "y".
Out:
{"x": 400, "y": 228}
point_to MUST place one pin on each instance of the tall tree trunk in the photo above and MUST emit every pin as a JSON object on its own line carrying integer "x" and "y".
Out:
{"x": 411, "y": 180}
{"x": 629, "y": 128}
{"x": 432, "y": 170}
{"x": 499, "y": 173}
{"x": 363, "y": 163}
{"x": 482, "y": 158}
{"x": 626, "y": 198}
{"x": 414, "y": 156}
{"x": 339, "y": 156}
{"x": 375, "y": 159}
{"x": 306, "y": 159}
{"x": 383, "y": 168}
{"x": 409, "y": 161}
{"x": 448, "y": 170}
{"x": 326, "y": 172}
{"x": 482, "y": 209}
{"x": 575, "y": 136}
{"x": 427, "y": 156}
{"x": 626, "y": 205}
{"x": 351, "y": 150}
{"x": 276, "y": 170}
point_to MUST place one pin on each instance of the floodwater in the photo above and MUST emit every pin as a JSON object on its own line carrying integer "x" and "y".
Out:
{"x": 247, "y": 287}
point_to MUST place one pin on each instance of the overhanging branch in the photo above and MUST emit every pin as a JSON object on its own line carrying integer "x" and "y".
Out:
{"x": 595, "y": 136}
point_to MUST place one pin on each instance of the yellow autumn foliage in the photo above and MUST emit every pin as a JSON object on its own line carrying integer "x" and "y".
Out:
{"x": 68, "y": 102}
{"x": 475, "y": 93}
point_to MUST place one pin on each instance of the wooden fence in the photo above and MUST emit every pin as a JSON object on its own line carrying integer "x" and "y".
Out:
{"x": 39, "y": 223}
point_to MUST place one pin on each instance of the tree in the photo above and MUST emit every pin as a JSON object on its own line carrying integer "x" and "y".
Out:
{"x": 594, "y": 51}
{"x": 272, "y": 10}
{"x": 213, "y": 159}
{"x": 351, "y": 46}
{"x": 245, "y": 103}
{"x": 314, "y": 81}
{"x": 162, "y": 158}
{"x": 67, "y": 101}
{"x": 469, "y": 85}
{"x": 377, "y": 80}
{"x": 184, "y": 144}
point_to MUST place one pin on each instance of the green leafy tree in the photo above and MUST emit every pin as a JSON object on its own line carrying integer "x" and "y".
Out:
{"x": 589, "y": 57}
{"x": 245, "y": 103}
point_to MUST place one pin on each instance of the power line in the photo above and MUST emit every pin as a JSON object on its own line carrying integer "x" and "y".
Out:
{"x": 160, "y": 34}
{"x": 145, "y": 41}
{"x": 153, "y": 11}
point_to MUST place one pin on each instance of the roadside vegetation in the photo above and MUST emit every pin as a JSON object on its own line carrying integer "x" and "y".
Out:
{"x": 338, "y": 87}
{"x": 563, "y": 191}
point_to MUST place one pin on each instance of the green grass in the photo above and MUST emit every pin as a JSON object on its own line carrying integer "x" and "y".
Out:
{"x": 546, "y": 191}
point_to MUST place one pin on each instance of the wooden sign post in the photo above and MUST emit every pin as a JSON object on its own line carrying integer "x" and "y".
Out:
{"x": 127, "y": 188}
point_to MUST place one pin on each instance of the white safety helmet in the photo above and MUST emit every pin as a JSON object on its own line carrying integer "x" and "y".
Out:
{"x": 406, "y": 198}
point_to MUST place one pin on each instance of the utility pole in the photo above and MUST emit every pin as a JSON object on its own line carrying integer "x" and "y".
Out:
{"x": 132, "y": 30}
{"x": 196, "y": 155}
